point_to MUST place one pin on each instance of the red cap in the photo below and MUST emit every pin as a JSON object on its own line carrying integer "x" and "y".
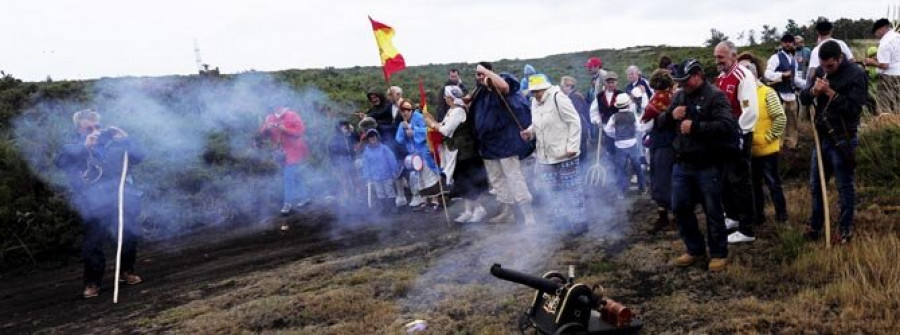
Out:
{"x": 594, "y": 61}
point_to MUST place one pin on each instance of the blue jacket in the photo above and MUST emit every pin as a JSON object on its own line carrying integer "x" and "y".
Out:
{"x": 418, "y": 142}
{"x": 379, "y": 163}
{"x": 94, "y": 175}
{"x": 496, "y": 130}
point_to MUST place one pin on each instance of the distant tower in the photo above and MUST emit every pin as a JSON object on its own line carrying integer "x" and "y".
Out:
{"x": 197, "y": 56}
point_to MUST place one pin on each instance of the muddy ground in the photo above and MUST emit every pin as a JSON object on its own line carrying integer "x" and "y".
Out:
{"x": 618, "y": 253}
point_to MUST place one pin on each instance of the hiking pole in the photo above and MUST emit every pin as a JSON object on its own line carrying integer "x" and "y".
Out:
{"x": 121, "y": 226}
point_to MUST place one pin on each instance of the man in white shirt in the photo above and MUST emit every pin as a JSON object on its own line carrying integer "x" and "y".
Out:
{"x": 782, "y": 72}
{"x": 824, "y": 29}
{"x": 887, "y": 62}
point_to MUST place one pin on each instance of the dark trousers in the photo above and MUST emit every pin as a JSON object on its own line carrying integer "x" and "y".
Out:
{"x": 470, "y": 178}
{"x": 100, "y": 229}
{"x": 691, "y": 185}
{"x": 765, "y": 170}
{"x": 738, "y": 194}
{"x": 625, "y": 158}
{"x": 835, "y": 165}
{"x": 661, "y": 162}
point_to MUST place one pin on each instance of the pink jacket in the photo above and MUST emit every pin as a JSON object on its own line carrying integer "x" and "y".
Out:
{"x": 290, "y": 138}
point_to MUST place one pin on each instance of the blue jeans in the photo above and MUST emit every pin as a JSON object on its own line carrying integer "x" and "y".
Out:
{"x": 835, "y": 164}
{"x": 623, "y": 159}
{"x": 765, "y": 170}
{"x": 294, "y": 190}
{"x": 689, "y": 186}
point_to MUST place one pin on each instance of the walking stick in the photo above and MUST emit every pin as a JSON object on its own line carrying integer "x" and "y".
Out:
{"x": 821, "y": 168}
{"x": 121, "y": 226}
{"x": 505, "y": 104}
{"x": 822, "y": 184}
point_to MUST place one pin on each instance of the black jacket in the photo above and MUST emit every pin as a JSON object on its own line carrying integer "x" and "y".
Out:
{"x": 840, "y": 121}
{"x": 381, "y": 113}
{"x": 713, "y": 132}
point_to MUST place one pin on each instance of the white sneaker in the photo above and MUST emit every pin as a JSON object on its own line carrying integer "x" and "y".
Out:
{"x": 400, "y": 201}
{"x": 478, "y": 215}
{"x": 416, "y": 201}
{"x": 738, "y": 237}
{"x": 731, "y": 224}
{"x": 286, "y": 209}
{"x": 463, "y": 218}
{"x": 302, "y": 203}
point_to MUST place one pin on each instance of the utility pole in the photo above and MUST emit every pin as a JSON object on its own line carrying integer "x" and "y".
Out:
{"x": 197, "y": 56}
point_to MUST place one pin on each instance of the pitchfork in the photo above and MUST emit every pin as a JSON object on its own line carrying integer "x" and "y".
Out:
{"x": 597, "y": 175}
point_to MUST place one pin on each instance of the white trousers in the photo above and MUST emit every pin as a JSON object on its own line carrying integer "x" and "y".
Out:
{"x": 505, "y": 176}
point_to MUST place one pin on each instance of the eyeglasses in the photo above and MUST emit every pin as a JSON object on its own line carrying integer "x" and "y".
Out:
{"x": 406, "y": 109}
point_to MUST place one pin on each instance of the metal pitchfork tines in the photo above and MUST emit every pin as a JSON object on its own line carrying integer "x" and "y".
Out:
{"x": 596, "y": 175}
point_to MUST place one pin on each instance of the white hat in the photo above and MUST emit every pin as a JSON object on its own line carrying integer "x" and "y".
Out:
{"x": 537, "y": 82}
{"x": 623, "y": 101}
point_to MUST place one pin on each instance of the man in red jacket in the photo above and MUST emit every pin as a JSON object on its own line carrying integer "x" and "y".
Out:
{"x": 285, "y": 128}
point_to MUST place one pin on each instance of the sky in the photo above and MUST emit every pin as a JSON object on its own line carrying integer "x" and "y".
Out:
{"x": 68, "y": 39}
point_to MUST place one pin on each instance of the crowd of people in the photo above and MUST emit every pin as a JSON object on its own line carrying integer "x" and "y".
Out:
{"x": 677, "y": 135}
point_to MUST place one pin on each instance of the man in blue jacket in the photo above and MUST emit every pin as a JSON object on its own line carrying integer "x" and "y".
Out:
{"x": 92, "y": 164}
{"x": 500, "y": 114}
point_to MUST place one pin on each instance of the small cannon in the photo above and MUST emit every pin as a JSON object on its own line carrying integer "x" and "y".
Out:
{"x": 561, "y": 306}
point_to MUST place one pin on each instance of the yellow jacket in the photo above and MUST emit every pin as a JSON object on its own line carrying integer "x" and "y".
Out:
{"x": 770, "y": 125}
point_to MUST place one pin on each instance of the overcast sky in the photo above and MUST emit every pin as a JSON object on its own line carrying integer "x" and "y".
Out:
{"x": 106, "y": 38}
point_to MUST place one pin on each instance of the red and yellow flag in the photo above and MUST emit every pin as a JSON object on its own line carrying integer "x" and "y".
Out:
{"x": 391, "y": 60}
{"x": 433, "y": 137}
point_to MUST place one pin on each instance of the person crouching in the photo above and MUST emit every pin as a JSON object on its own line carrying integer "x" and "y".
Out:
{"x": 380, "y": 169}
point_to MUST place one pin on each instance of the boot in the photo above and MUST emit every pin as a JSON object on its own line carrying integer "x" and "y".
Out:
{"x": 505, "y": 215}
{"x": 662, "y": 222}
{"x": 527, "y": 214}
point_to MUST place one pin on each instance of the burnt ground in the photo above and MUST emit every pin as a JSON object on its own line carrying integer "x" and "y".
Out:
{"x": 49, "y": 299}
{"x": 619, "y": 254}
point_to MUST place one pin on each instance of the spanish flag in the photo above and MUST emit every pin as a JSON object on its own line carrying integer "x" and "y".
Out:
{"x": 391, "y": 60}
{"x": 433, "y": 137}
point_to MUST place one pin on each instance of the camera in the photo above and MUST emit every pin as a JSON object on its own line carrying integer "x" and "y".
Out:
{"x": 105, "y": 135}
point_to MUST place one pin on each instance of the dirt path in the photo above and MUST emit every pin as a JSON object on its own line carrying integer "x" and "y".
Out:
{"x": 51, "y": 299}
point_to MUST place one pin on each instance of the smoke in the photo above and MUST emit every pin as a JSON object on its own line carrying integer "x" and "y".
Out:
{"x": 533, "y": 250}
{"x": 204, "y": 164}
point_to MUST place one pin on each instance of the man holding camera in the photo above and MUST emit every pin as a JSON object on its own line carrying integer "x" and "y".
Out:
{"x": 838, "y": 89}
{"x": 93, "y": 165}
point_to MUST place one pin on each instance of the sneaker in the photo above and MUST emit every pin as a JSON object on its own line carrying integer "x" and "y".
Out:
{"x": 285, "y": 227}
{"x": 477, "y": 215}
{"x": 400, "y": 201}
{"x": 845, "y": 236}
{"x": 717, "y": 264}
{"x": 463, "y": 218}
{"x": 91, "y": 291}
{"x": 433, "y": 207}
{"x": 731, "y": 224}
{"x": 738, "y": 237}
{"x": 130, "y": 278}
{"x": 685, "y": 260}
{"x": 286, "y": 209}
{"x": 302, "y": 203}
{"x": 416, "y": 201}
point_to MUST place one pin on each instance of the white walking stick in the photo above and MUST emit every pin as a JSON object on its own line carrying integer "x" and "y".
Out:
{"x": 369, "y": 193}
{"x": 121, "y": 226}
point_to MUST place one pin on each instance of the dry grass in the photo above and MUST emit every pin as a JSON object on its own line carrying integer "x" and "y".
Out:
{"x": 779, "y": 285}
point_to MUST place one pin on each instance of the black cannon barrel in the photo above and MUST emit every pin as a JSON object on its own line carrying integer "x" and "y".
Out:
{"x": 537, "y": 283}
